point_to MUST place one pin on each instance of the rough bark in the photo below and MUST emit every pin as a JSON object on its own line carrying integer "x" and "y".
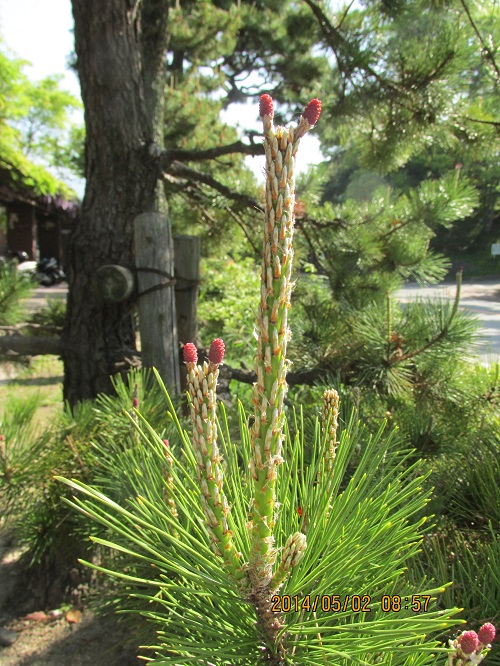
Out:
{"x": 121, "y": 57}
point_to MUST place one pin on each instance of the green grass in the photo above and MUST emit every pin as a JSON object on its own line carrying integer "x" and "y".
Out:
{"x": 477, "y": 263}
{"x": 43, "y": 378}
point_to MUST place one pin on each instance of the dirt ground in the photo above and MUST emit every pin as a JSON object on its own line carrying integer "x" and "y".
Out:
{"x": 49, "y": 638}
{"x": 45, "y": 637}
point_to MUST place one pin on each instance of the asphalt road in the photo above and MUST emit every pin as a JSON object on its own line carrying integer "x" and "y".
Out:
{"x": 42, "y": 295}
{"x": 481, "y": 298}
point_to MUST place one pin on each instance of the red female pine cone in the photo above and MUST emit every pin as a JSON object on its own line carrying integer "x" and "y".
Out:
{"x": 266, "y": 107}
{"x": 189, "y": 353}
{"x": 487, "y": 633}
{"x": 469, "y": 642}
{"x": 216, "y": 353}
{"x": 312, "y": 111}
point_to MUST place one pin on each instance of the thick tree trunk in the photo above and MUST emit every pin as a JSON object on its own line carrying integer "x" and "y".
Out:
{"x": 121, "y": 52}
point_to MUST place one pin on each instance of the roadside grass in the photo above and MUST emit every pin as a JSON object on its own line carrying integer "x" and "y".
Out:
{"x": 42, "y": 378}
{"x": 476, "y": 263}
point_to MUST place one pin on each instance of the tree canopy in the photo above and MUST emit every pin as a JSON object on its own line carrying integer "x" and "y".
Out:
{"x": 35, "y": 126}
{"x": 409, "y": 92}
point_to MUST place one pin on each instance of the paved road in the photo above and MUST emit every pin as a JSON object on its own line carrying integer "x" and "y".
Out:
{"x": 42, "y": 295}
{"x": 481, "y": 298}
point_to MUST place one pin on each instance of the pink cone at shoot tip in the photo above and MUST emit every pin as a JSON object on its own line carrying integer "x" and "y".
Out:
{"x": 216, "y": 353}
{"x": 189, "y": 353}
{"x": 469, "y": 642}
{"x": 266, "y": 107}
{"x": 312, "y": 111}
{"x": 487, "y": 633}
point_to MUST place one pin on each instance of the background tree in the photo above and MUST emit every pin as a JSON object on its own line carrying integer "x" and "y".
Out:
{"x": 124, "y": 65}
{"x": 34, "y": 126}
{"x": 121, "y": 62}
{"x": 413, "y": 90}
{"x": 406, "y": 86}
{"x": 396, "y": 80}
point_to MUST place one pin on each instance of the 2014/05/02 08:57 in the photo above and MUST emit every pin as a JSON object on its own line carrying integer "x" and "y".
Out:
{"x": 356, "y": 603}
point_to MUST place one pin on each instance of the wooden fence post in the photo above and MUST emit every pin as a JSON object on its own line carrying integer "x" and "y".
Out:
{"x": 157, "y": 319}
{"x": 187, "y": 275}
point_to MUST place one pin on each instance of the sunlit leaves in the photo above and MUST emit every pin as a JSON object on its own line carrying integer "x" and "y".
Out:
{"x": 34, "y": 125}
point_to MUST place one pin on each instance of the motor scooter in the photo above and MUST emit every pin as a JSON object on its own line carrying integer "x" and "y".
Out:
{"x": 24, "y": 266}
{"x": 48, "y": 272}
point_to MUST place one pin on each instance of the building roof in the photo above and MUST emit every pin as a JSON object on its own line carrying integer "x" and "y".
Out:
{"x": 16, "y": 186}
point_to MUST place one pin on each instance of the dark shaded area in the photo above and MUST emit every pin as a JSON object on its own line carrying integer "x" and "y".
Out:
{"x": 33, "y": 381}
{"x": 96, "y": 641}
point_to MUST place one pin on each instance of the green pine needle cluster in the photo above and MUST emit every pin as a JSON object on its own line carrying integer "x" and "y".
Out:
{"x": 360, "y": 536}
{"x": 13, "y": 289}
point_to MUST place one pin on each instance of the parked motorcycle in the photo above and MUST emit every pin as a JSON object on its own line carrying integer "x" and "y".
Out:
{"x": 24, "y": 266}
{"x": 46, "y": 272}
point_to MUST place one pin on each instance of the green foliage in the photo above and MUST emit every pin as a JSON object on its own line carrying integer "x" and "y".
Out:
{"x": 29, "y": 488}
{"x": 467, "y": 475}
{"x": 45, "y": 115}
{"x": 124, "y": 458}
{"x": 405, "y": 77}
{"x": 52, "y": 536}
{"x": 362, "y": 517}
{"x": 469, "y": 558}
{"x": 17, "y": 431}
{"x": 69, "y": 448}
{"x": 70, "y": 155}
{"x": 413, "y": 363}
{"x": 34, "y": 121}
{"x": 13, "y": 289}
{"x": 227, "y": 303}
{"x": 411, "y": 98}
{"x": 52, "y": 317}
{"x": 368, "y": 247}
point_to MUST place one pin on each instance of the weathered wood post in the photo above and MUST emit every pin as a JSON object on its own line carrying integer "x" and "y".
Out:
{"x": 187, "y": 274}
{"x": 157, "y": 318}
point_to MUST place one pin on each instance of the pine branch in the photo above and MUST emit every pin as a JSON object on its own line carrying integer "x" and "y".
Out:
{"x": 335, "y": 40}
{"x": 167, "y": 157}
{"x": 344, "y": 16}
{"x": 494, "y": 123}
{"x": 305, "y": 221}
{"x": 307, "y": 376}
{"x": 399, "y": 359}
{"x": 176, "y": 169}
{"x": 487, "y": 52}
{"x": 242, "y": 226}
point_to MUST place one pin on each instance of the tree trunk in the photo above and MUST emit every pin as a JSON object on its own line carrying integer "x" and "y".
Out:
{"x": 121, "y": 58}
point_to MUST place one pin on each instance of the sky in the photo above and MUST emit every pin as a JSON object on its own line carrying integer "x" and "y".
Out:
{"x": 40, "y": 31}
